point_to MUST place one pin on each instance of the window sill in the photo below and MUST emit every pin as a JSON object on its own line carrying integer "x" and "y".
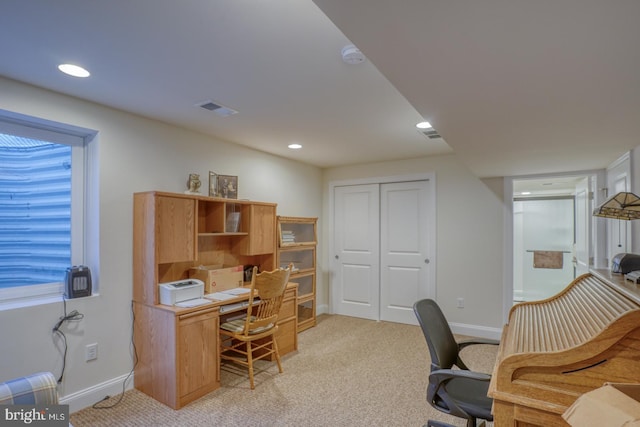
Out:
{"x": 16, "y": 304}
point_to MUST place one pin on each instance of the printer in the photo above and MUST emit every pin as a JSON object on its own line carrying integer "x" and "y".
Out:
{"x": 625, "y": 263}
{"x": 181, "y": 292}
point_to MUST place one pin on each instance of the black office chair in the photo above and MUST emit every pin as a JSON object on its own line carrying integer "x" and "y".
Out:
{"x": 458, "y": 392}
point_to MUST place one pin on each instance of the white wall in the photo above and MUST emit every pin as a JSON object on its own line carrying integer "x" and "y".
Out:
{"x": 469, "y": 233}
{"x": 135, "y": 154}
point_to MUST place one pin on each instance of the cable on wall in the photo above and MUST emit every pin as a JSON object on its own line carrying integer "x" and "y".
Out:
{"x": 124, "y": 383}
{"x": 73, "y": 316}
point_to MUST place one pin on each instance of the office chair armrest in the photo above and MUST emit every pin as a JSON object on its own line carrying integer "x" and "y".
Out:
{"x": 448, "y": 374}
{"x": 468, "y": 343}
{"x": 476, "y": 341}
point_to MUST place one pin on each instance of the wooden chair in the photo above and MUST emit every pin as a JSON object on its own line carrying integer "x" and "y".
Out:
{"x": 252, "y": 337}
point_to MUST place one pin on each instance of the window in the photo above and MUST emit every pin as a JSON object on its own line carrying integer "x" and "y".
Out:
{"x": 42, "y": 205}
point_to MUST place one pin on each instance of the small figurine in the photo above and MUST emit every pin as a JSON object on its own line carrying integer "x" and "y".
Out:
{"x": 193, "y": 184}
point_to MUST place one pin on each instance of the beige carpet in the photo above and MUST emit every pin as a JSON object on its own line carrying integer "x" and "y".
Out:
{"x": 347, "y": 372}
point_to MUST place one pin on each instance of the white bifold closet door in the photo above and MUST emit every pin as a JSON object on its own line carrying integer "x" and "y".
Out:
{"x": 382, "y": 238}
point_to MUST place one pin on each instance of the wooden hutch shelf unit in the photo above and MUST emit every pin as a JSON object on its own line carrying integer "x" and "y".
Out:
{"x": 297, "y": 240}
{"x": 178, "y": 348}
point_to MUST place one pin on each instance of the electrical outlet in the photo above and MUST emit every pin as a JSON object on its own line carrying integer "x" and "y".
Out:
{"x": 91, "y": 352}
{"x": 460, "y": 302}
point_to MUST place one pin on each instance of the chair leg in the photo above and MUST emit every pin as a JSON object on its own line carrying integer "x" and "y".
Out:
{"x": 276, "y": 352}
{"x": 470, "y": 423}
{"x": 432, "y": 423}
{"x": 250, "y": 363}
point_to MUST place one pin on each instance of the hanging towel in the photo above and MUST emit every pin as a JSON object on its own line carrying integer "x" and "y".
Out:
{"x": 547, "y": 259}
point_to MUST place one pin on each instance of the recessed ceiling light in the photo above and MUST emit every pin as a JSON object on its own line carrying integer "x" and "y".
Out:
{"x": 423, "y": 125}
{"x": 525, "y": 193}
{"x": 295, "y": 146}
{"x": 73, "y": 70}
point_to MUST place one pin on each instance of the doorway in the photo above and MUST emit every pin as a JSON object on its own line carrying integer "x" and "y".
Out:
{"x": 551, "y": 234}
{"x": 543, "y": 235}
{"x": 383, "y": 245}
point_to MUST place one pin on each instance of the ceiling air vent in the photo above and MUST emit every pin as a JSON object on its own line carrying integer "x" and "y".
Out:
{"x": 430, "y": 133}
{"x": 218, "y": 109}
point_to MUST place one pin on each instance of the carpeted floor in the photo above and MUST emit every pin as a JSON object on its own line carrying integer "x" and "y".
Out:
{"x": 347, "y": 372}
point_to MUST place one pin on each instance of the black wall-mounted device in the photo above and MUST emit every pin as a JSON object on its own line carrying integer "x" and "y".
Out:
{"x": 78, "y": 282}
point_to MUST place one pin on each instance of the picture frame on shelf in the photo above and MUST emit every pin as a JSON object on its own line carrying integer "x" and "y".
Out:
{"x": 227, "y": 186}
{"x": 213, "y": 184}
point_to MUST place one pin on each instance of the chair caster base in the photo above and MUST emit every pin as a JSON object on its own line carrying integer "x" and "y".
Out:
{"x": 432, "y": 423}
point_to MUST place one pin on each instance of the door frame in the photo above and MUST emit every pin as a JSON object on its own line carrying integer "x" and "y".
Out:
{"x": 598, "y": 242}
{"x": 385, "y": 180}
{"x": 618, "y": 171}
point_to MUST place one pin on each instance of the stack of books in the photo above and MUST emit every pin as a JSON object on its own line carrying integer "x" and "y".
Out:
{"x": 288, "y": 236}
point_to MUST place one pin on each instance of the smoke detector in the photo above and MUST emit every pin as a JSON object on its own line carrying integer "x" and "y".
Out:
{"x": 352, "y": 55}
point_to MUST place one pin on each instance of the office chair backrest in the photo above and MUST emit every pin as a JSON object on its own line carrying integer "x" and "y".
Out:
{"x": 443, "y": 347}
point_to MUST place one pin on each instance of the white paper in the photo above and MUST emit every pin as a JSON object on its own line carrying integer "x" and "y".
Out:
{"x": 220, "y": 296}
{"x": 193, "y": 302}
{"x": 237, "y": 291}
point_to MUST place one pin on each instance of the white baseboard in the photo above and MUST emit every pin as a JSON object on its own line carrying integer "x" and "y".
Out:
{"x": 456, "y": 328}
{"x": 322, "y": 309}
{"x": 89, "y": 396}
{"x": 476, "y": 331}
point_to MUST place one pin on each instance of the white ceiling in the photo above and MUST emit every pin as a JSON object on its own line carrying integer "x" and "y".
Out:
{"x": 514, "y": 86}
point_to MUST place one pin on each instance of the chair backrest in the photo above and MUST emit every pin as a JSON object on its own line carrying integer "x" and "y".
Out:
{"x": 270, "y": 286}
{"x": 443, "y": 347}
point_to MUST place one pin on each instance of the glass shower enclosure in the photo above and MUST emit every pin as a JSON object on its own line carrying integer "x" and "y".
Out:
{"x": 543, "y": 247}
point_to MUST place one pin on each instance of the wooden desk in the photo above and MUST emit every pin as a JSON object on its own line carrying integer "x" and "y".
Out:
{"x": 552, "y": 351}
{"x": 178, "y": 352}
